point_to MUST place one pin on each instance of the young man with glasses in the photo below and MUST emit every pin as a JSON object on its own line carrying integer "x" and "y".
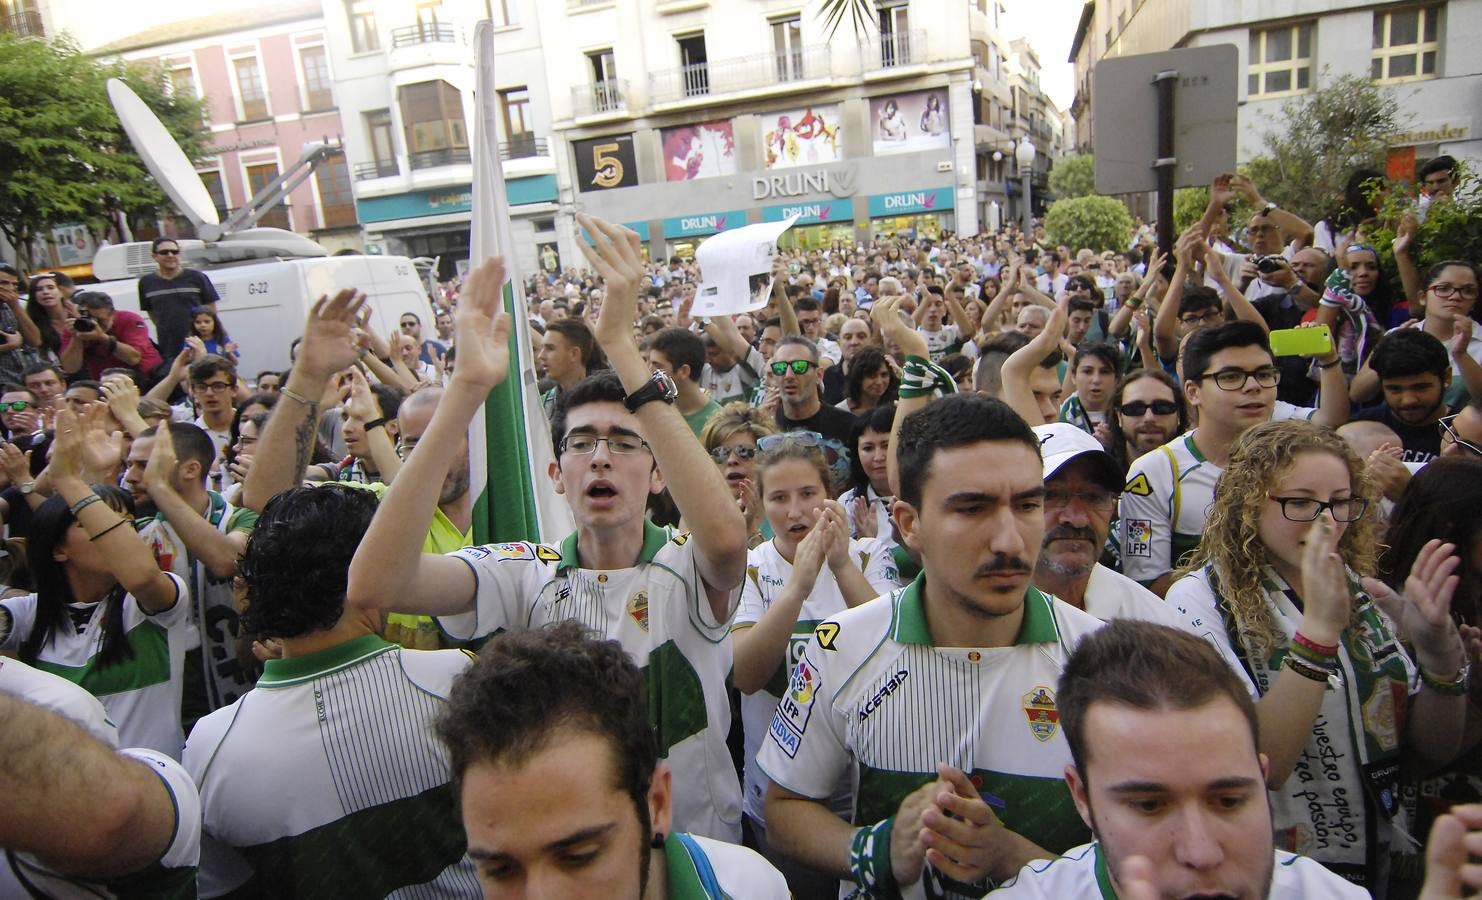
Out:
{"x": 795, "y": 365}
{"x": 169, "y": 294}
{"x": 1461, "y": 434}
{"x": 667, "y": 598}
{"x": 213, "y": 386}
{"x": 1230, "y": 380}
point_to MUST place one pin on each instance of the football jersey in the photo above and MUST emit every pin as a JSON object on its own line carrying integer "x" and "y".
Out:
{"x": 872, "y": 699}
{"x": 1168, "y": 494}
{"x": 327, "y": 779}
{"x": 737, "y": 382}
{"x": 699, "y": 868}
{"x": 884, "y": 524}
{"x": 767, "y": 574}
{"x": 172, "y": 875}
{"x": 1082, "y": 873}
{"x": 58, "y": 695}
{"x": 942, "y": 342}
{"x": 141, "y": 695}
{"x": 660, "y": 612}
{"x": 1110, "y": 595}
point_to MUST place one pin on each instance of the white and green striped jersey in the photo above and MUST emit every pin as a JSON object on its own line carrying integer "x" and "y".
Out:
{"x": 767, "y": 574}
{"x": 1110, "y": 595}
{"x": 659, "y": 611}
{"x": 56, "y": 694}
{"x": 1082, "y": 873}
{"x": 171, "y": 877}
{"x": 142, "y": 694}
{"x": 326, "y": 778}
{"x": 1169, "y": 491}
{"x": 872, "y": 699}
{"x": 699, "y": 868}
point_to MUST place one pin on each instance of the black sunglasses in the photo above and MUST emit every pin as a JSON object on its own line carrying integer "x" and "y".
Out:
{"x": 1138, "y": 408}
{"x": 167, "y": 253}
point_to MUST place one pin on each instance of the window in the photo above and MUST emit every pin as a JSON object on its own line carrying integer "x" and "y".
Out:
{"x": 250, "y": 89}
{"x": 382, "y": 145}
{"x": 519, "y": 129}
{"x": 1406, "y": 43}
{"x": 317, "y": 91}
{"x": 362, "y": 16}
{"x": 183, "y": 81}
{"x": 504, "y": 12}
{"x": 259, "y": 177}
{"x": 432, "y": 114}
{"x": 1280, "y": 61}
{"x": 606, "y": 92}
{"x": 787, "y": 44}
{"x": 895, "y": 34}
{"x": 335, "y": 197}
{"x": 696, "y": 65}
{"x": 217, "y": 189}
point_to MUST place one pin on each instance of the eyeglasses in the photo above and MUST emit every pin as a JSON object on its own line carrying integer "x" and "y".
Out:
{"x": 1136, "y": 409}
{"x": 408, "y": 324}
{"x": 212, "y": 387}
{"x": 1202, "y": 318}
{"x": 1098, "y": 499}
{"x": 167, "y": 253}
{"x": 1307, "y": 509}
{"x": 798, "y": 366}
{"x": 743, "y": 452}
{"x": 583, "y": 444}
{"x": 16, "y": 406}
{"x": 1235, "y": 379}
{"x": 1447, "y": 291}
{"x": 1448, "y": 432}
{"x": 797, "y": 438}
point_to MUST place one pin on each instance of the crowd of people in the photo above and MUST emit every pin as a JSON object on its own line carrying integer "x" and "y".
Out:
{"x": 962, "y": 567}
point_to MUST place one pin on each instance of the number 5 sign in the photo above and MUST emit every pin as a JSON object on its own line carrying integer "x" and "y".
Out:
{"x": 604, "y": 163}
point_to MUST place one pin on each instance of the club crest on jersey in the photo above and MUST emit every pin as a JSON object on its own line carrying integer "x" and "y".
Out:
{"x": 638, "y": 609}
{"x": 1139, "y": 537}
{"x": 1044, "y": 718}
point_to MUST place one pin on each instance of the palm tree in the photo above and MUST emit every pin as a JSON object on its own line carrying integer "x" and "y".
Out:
{"x": 859, "y": 12}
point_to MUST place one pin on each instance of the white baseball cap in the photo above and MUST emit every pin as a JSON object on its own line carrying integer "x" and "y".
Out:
{"x": 1061, "y": 442}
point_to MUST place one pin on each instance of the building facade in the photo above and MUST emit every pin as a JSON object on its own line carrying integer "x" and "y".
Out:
{"x": 1425, "y": 53}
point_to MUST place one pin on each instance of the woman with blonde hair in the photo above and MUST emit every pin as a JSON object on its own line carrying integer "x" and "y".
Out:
{"x": 730, "y": 437}
{"x": 1279, "y": 583}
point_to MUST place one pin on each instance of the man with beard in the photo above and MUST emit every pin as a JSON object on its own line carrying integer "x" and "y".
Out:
{"x": 1082, "y": 484}
{"x": 561, "y": 785}
{"x": 1148, "y": 412}
{"x": 196, "y": 534}
{"x": 1168, "y": 776}
{"x": 1414, "y": 371}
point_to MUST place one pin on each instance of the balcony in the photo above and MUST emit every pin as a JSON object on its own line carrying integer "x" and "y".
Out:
{"x": 381, "y": 168}
{"x": 425, "y": 33}
{"x": 896, "y": 49}
{"x": 431, "y": 159}
{"x": 523, "y": 146}
{"x": 25, "y": 23}
{"x": 743, "y": 73}
{"x": 599, "y": 98}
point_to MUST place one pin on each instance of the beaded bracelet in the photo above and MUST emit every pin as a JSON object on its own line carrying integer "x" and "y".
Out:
{"x": 869, "y": 861}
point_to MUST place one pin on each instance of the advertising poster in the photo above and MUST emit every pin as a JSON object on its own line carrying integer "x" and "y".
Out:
{"x": 604, "y": 163}
{"x": 906, "y": 123}
{"x": 704, "y": 150}
{"x": 801, "y": 137}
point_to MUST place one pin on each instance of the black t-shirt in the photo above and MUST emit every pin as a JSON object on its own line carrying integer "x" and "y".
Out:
{"x": 836, "y": 427}
{"x": 169, "y": 302}
{"x": 834, "y": 383}
{"x": 1422, "y": 443}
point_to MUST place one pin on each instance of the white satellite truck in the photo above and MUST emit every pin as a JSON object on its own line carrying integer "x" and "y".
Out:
{"x": 267, "y": 277}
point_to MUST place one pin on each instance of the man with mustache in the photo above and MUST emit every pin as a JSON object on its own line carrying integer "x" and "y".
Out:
{"x": 938, "y": 700}
{"x": 1082, "y": 485}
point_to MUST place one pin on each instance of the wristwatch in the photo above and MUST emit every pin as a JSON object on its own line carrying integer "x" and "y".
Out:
{"x": 1268, "y": 207}
{"x": 658, "y": 387}
{"x": 27, "y": 487}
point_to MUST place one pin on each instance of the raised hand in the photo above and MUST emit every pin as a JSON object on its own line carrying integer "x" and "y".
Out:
{"x": 617, "y": 255}
{"x": 1461, "y": 335}
{"x": 327, "y": 346}
{"x": 15, "y": 464}
{"x": 1423, "y": 611}
{"x": 160, "y": 470}
{"x": 66, "y": 448}
{"x": 863, "y": 517}
{"x": 481, "y": 329}
{"x": 1327, "y": 602}
{"x": 359, "y": 402}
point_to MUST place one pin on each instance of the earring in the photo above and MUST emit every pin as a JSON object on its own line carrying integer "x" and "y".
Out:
{"x": 657, "y": 841}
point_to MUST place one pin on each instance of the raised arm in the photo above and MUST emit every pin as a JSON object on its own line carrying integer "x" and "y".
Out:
{"x": 390, "y": 571}
{"x": 887, "y": 318}
{"x": 1019, "y": 364}
{"x": 1405, "y": 263}
{"x": 1007, "y": 287}
{"x": 785, "y": 313}
{"x": 29, "y": 332}
{"x": 1292, "y": 226}
{"x": 1332, "y": 391}
{"x": 362, "y": 406}
{"x": 193, "y": 349}
{"x": 723, "y": 330}
{"x": 705, "y": 503}
{"x": 1229, "y": 289}
{"x": 1165, "y": 324}
{"x": 287, "y": 442}
{"x": 205, "y": 542}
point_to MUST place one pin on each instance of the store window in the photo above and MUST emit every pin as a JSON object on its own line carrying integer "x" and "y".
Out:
{"x": 1406, "y": 44}
{"x": 432, "y": 114}
{"x": 1280, "y": 61}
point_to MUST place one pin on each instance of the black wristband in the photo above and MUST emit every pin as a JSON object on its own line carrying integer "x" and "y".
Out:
{"x": 376, "y": 423}
{"x": 1329, "y": 365}
{"x": 112, "y": 344}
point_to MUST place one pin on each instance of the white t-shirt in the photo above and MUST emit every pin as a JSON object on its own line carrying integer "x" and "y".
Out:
{"x": 1111, "y": 595}
{"x": 767, "y": 574}
{"x": 141, "y": 695}
{"x": 830, "y": 349}
{"x": 873, "y": 700}
{"x": 334, "y": 748}
{"x": 1080, "y": 873}
{"x": 660, "y": 612}
{"x": 58, "y": 695}
{"x": 737, "y": 382}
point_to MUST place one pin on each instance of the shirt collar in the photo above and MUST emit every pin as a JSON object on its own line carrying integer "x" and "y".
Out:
{"x": 1038, "y": 626}
{"x": 322, "y": 662}
{"x": 654, "y": 539}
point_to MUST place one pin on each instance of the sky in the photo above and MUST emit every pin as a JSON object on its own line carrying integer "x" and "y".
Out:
{"x": 1050, "y": 27}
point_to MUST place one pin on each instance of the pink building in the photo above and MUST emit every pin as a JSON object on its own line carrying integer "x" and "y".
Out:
{"x": 264, "y": 73}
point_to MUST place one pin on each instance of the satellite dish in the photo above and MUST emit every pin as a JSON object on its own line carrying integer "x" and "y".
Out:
{"x": 166, "y": 161}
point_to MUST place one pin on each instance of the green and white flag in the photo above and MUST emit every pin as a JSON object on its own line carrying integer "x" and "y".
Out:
{"x": 509, "y": 442}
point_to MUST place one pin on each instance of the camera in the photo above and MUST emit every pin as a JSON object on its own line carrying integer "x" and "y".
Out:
{"x": 1268, "y": 264}
{"x": 84, "y": 324}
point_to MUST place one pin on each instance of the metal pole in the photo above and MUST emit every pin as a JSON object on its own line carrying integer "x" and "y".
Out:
{"x": 1027, "y": 225}
{"x": 1166, "y": 161}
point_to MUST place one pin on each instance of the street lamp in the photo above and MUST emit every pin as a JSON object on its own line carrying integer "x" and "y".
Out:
{"x": 1024, "y": 155}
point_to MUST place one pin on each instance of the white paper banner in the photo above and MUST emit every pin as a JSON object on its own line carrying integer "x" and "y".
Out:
{"x": 736, "y": 269}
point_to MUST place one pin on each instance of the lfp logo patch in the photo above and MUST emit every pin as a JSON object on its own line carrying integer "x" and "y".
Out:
{"x": 1139, "y": 537}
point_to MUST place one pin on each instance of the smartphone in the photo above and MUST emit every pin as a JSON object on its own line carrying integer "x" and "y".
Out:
{"x": 1314, "y": 341}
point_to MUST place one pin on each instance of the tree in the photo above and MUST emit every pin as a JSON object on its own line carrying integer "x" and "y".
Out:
{"x": 1094, "y": 223}
{"x": 1074, "y": 176}
{"x": 1452, "y": 228}
{"x": 64, "y": 154}
{"x": 1324, "y": 136}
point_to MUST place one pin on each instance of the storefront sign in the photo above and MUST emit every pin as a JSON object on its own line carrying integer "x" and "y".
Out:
{"x": 839, "y": 182}
{"x": 520, "y": 191}
{"x": 1433, "y": 133}
{"x": 903, "y": 203}
{"x": 811, "y": 213}
{"x": 605, "y": 163}
{"x": 708, "y": 223}
{"x": 252, "y": 144}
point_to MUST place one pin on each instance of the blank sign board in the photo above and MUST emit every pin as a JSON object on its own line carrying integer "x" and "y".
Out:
{"x": 1204, "y": 118}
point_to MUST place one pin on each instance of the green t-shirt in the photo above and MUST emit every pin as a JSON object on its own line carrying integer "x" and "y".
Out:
{"x": 697, "y": 419}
